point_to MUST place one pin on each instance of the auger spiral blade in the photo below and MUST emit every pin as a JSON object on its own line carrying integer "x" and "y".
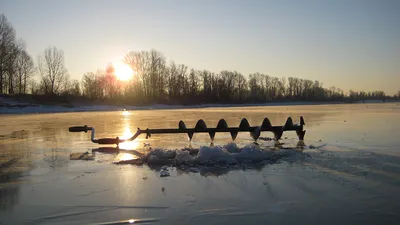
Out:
{"x": 302, "y": 123}
{"x": 190, "y": 135}
{"x": 288, "y": 124}
{"x": 200, "y": 125}
{"x": 222, "y": 124}
{"x": 181, "y": 125}
{"x": 244, "y": 124}
{"x": 256, "y": 133}
{"x": 212, "y": 135}
{"x": 234, "y": 135}
{"x": 301, "y": 134}
{"x": 266, "y": 124}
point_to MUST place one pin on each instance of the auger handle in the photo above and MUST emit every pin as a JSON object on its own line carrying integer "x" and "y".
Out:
{"x": 109, "y": 141}
{"x": 79, "y": 129}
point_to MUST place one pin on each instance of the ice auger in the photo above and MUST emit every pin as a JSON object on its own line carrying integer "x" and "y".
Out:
{"x": 201, "y": 127}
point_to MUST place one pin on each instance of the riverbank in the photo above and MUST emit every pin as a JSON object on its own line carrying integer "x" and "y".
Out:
{"x": 15, "y": 105}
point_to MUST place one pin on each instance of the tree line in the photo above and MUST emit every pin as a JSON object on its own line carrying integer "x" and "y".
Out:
{"x": 155, "y": 80}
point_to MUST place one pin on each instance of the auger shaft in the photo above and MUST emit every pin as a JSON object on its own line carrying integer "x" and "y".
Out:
{"x": 208, "y": 130}
{"x": 202, "y": 128}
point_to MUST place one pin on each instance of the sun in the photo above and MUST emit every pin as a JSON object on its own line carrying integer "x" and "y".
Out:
{"x": 122, "y": 71}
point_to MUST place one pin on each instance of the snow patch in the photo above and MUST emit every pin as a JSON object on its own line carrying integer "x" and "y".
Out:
{"x": 183, "y": 157}
{"x": 232, "y": 147}
{"x": 253, "y": 153}
{"x": 164, "y": 173}
{"x": 216, "y": 154}
{"x": 227, "y": 156}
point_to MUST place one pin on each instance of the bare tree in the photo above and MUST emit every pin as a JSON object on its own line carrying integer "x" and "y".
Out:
{"x": 34, "y": 87}
{"x": 282, "y": 86}
{"x": 140, "y": 63}
{"x": 172, "y": 80}
{"x": 53, "y": 71}
{"x": 193, "y": 83}
{"x": 93, "y": 85}
{"x": 10, "y": 67}
{"x": 7, "y": 44}
{"x": 25, "y": 70}
{"x": 241, "y": 87}
{"x": 290, "y": 87}
{"x": 75, "y": 88}
{"x": 156, "y": 71}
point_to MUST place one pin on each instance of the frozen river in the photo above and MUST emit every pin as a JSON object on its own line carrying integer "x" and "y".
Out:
{"x": 348, "y": 172}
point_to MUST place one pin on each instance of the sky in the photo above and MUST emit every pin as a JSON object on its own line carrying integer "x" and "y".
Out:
{"x": 350, "y": 44}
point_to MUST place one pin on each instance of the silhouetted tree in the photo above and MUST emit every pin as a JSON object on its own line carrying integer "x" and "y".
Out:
{"x": 75, "y": 89}
{"x": 52, "y": 69}
{"x": 241, "y": 87}
{"x": 25, "y": 69}
{"x": 92, "y": 85}
{"x": 7, "y": 48}
{"x": 10, "y": 67}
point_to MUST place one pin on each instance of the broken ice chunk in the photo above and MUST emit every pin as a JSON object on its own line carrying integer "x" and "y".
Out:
{"x": 164, "y": 173}
{"x": 164, "y": 168}
{"x": 193, "y": 169}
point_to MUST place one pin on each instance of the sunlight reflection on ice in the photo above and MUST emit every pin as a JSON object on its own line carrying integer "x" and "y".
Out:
{"x": 127, "y": 134}
{"x": 126, "y": 113}
{"x": 124, "y": 156}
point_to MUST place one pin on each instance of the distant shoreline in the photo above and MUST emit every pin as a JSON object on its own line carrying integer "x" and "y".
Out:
{"x": 11, "y": 107}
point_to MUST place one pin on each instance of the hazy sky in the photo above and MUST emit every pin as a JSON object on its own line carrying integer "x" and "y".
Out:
{"x": 348, "y": 44}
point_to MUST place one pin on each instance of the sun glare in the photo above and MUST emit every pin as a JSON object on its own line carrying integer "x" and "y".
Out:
{"x": 122, "y": 71}
{"x": 129, "y": 144}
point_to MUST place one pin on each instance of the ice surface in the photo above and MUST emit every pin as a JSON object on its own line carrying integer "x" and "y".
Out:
{"x": 183, "y": 157}
{"x": 350, "y": 177}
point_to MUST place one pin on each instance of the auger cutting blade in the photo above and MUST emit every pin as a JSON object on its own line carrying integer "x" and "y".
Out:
{"x": 222, "y": 124}
{"x": 181, "y": 125}
{"x": 212, "y": 135}
{"x": 200, "y": 125}
{"x": 190, "y": 135}
{"x": 244, "y": 124}
{"x": 234, "y": 135}
{"x": 256, "y": 133}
